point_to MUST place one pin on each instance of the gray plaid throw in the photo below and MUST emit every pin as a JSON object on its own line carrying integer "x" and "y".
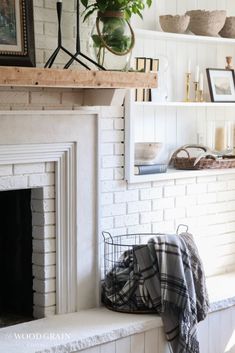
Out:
{"x": 198, "y": 277}
{"x": 164, "y": 276}
{"x": 165, "y": 266}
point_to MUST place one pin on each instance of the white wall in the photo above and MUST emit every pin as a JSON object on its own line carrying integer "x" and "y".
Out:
{"x": 45, "y": 19}
{"x": 162, "y": 7}
{"x": 206, "y": 204}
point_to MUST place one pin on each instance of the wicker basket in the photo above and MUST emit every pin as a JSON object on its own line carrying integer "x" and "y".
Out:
{"x": 208, "y": 162}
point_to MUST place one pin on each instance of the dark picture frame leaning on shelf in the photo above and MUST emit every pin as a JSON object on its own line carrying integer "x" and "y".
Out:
{"x": 221, "y": 84}
{"x": 17, "y": 46}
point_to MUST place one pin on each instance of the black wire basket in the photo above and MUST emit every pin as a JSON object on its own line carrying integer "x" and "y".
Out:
{"x": 122, "y": 287}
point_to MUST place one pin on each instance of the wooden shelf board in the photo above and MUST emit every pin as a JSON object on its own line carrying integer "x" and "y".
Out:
{"x": 182, "y": 37}
{"x": 61, "y": 78}
{"x": 179, "y": 174}
{"x": 184, "y": 104}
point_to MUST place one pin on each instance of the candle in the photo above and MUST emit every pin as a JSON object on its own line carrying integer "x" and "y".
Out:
{"x": 197, "y": 74}
{"x": 230, "y": 131}
{"x": 220, "y": 139}
{"x": 189, "y": 67}
{"x": 201, "y": 82}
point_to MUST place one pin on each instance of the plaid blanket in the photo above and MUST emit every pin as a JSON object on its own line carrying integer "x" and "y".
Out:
{"x": 198, "y": 277}
{"x": 165, "y": 266}
{"x": 158, "y": 277}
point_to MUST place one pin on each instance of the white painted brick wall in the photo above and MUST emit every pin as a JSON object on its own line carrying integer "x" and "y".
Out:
{"x": 206, "y": 204}
{"x": 127, "y": 220}
{"x": 125, "y": 196}
{"x": 44, "y": 246}
{"x": 44, "y": 272}
{"x": 149, "y": 194}
{"x": 5, "y": 170}
{"x": 151, "y": 217}
{"x": 29, "y": 168}
{"x": 140, "y": 206}
{"x": 114, "y": 210}
{"x": 13, "y": 183}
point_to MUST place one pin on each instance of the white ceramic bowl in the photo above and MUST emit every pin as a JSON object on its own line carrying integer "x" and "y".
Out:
{"x": 147, "y": 151}
{"x": 174, "y": 24}
{"x": 206, "y": 23}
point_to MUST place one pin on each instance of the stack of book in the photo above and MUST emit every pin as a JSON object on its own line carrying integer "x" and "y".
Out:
{"x": 145, "y": 65}
{"x": 150, "y": 169}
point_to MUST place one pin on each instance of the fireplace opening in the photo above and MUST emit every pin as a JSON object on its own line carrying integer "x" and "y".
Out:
{"x": 16, "y": 295}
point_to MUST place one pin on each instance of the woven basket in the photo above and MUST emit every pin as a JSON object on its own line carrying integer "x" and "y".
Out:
{"x": 208, "y": 162}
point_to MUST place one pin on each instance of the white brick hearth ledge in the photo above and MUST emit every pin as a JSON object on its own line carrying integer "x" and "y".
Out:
{"x": 70, "y": 333}
{"x": 73, "y": 332}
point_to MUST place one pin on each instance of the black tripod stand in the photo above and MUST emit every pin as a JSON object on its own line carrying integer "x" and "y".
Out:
{"x": 78, "y": 46}
{"x": 74, "y": 57}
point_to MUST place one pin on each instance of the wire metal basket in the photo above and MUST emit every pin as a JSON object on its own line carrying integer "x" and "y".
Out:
{"x": 123, "y": 286}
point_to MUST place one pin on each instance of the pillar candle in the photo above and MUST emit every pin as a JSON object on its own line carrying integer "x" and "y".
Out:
{"x": 220, "y": 139}
{"x": 189, "y": 67}
{"x": 230, "y": 132}
{"x": 201, "y": 82}
{"x": 197, "y": 74}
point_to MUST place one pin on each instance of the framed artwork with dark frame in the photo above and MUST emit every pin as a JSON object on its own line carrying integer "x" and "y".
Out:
{"x": 17, "y": 33}
{"x": 221, "y": 84}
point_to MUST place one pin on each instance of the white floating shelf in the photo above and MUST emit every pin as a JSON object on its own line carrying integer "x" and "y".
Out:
{"x": 184, "y": 104}
{"x": 179, "y": 174}
{"x": 182, "y": 37}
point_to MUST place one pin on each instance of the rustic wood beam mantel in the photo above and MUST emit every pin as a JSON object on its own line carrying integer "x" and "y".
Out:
{"x": 61, "y": 78}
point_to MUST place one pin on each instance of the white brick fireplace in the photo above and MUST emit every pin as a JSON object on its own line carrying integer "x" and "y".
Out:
{"x": 53, "y": 154}
{"x": 33, "y": 167}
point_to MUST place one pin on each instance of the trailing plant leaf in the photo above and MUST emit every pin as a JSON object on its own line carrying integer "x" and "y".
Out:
{"x": 84, "y": 3}
{"x": 88, "y": 14}
{"x": 128, "y": 6}
{"x": 96, "y": 40}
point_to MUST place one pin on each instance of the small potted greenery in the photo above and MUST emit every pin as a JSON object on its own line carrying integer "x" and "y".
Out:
{"x": 112, "y": 37}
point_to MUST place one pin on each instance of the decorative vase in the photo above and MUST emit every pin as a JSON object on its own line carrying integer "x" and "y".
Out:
{"x": 112, "y": 40}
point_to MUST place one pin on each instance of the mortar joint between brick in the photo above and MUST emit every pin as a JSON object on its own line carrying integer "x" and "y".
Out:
{"x": 30, "y": 97}
{"x": 28, "y": 181}
{"x": 163, "y": 192}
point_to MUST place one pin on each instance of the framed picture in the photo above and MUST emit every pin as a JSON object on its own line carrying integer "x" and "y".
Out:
{"x": 17, "y": 33}
{"x": 221, "y": 85}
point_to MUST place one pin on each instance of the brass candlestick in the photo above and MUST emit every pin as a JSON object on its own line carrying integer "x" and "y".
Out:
{"x": 188, "y": 77}
{"x": 196, "y": 89}
{"x": 200, "y": 94}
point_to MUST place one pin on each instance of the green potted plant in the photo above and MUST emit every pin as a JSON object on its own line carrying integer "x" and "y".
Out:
{"x": 112, "y": 37}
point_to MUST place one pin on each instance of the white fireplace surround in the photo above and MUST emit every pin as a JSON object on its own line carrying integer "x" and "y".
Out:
{"x": 68, "y": 140}
{"x": 64, "y": 156}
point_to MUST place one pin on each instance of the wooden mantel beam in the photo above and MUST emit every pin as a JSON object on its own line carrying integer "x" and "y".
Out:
{"x": 61, "y": 78}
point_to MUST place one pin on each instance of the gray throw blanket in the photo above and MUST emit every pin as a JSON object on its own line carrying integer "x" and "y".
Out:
{"x": 198, "y": 277}
{"x": 158, "y": 276}
{"x": 165, "y": 266}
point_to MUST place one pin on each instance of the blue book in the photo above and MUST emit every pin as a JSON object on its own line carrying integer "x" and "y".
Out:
{"x": 150, "y": 169}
